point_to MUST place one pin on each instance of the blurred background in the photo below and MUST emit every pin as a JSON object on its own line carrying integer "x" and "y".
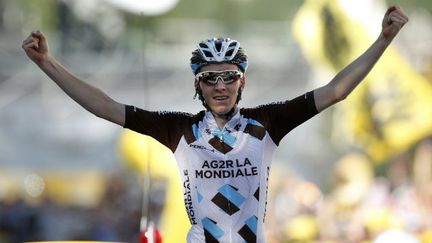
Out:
{"x": 358, "y": 172}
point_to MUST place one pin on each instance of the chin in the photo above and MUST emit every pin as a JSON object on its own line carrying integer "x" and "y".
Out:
{"x": 222, "y": 111}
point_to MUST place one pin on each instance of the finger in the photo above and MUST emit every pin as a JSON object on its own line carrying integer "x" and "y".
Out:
{"x": 43, "y": 44}
{"x": 397, "y": 19}
{"x": 32, "y": 45}
{"x": 30, "y": 39}
{"x": 400, "y": 20}
{"x": 389, "y": 10}
{"x": 395, "y": 11}
{"x": 402, "y": 16}
{"x": 398, "y": 11}
{"x": 38, "y": 34}
{"x": 34, "y": 36}
{"x": 35, "y": 32}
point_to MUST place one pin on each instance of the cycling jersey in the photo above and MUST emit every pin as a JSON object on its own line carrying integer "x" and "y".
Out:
{"x": 225, "y": 171}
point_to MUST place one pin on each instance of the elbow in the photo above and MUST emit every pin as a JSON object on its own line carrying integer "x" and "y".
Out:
{"x": 101, "y": 108}
{"x": 97, "y": 110}
{"x": 340, "y": 97}
{"x": 99, "y": 114}
{"x": 111, "y": 111}
{"x": 340, "y": 94}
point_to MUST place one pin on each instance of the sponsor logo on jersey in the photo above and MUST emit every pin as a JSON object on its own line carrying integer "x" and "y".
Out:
{"x": 188, "y": 197}
{"x": 211, "y": 169}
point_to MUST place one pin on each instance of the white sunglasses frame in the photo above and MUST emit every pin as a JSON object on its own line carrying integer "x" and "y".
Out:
{"x": 199, "y": 75}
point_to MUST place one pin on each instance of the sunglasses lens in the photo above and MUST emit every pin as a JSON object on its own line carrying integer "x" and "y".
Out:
{"x": 209, "y": 78}
{"x": 226, "y": 76}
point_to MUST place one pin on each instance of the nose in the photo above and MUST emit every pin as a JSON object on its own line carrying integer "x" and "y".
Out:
{"x": 220, "y": 83}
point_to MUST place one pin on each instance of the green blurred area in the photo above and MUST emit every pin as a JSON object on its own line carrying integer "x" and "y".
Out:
{"x": 226, "y": 11}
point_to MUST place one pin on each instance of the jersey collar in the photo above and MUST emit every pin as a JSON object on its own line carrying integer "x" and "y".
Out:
{"x": 212, "y": 125}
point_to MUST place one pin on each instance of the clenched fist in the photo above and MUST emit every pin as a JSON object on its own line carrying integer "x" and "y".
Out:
{"x": 394, "y": 20}
{"x": 36, "y": 47}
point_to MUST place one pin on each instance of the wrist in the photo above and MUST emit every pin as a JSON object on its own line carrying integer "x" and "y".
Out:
{"x": 45, "y": 62}
{"x": 383, "y": 40}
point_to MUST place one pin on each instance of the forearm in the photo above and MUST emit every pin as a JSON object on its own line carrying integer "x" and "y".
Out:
{"x": 350, "y": 77}
{"x": 88, "y": 96}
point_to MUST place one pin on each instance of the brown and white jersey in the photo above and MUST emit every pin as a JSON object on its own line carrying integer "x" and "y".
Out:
{"x": 224, "y": 171}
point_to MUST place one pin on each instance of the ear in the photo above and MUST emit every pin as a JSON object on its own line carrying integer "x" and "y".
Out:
{"x": 242, "y": 82}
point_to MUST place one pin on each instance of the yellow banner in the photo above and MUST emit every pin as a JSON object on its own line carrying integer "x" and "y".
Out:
{"x": 392, "y": 109}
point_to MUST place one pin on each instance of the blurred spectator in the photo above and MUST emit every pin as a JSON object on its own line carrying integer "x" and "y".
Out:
{"x": 360, "y": 207}
{"x": 116, "y": 218}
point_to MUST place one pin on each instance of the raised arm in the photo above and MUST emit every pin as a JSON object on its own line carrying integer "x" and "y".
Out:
{"x": 347, "y": 79}
{"x": 89, "y": 97}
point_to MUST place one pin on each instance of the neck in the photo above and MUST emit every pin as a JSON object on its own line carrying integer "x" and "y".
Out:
{"x": 222, "y": 119}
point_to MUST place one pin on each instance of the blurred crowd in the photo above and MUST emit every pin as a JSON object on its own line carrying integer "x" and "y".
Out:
{"x": 115, "y": 218}
{"x": 364, "y": 203}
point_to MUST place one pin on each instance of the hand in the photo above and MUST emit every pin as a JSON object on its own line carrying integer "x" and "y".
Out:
{"x": 36, "y": 47}
{"x": 394, "y": 20}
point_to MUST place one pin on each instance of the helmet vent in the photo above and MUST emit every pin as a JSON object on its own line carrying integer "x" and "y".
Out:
{"x": 207, "y": 53}
{"x": 218, "y": 46}
{"x": 232, "y": 44}
{"x": 229, "y": 53}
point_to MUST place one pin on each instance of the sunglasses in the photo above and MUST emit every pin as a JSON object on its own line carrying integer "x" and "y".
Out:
{"x": 212, "y": 77}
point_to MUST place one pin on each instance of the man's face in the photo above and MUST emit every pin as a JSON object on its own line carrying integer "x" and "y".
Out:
{"x": 220, "y": 97}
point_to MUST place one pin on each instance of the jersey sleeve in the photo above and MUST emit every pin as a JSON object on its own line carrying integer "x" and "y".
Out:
{"x": 280, "y": 118}
{"x": 165, "y": 127}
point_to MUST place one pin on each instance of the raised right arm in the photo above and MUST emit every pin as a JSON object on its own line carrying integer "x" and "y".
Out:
{"x": 91, "y": 98}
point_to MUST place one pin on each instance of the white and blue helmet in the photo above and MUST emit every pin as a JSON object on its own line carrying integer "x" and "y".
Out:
{"x": 218, "y": 50}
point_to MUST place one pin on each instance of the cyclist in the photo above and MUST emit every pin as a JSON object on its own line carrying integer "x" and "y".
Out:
{"x": 223, "y": 152}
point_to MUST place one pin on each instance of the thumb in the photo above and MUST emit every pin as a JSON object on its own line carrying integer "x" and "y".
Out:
{"x": 391, "y": 30}
{"x": 387, "y": 31}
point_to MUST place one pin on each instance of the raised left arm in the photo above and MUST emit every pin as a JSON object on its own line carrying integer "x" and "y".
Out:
{"x": 349, "y": 77}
